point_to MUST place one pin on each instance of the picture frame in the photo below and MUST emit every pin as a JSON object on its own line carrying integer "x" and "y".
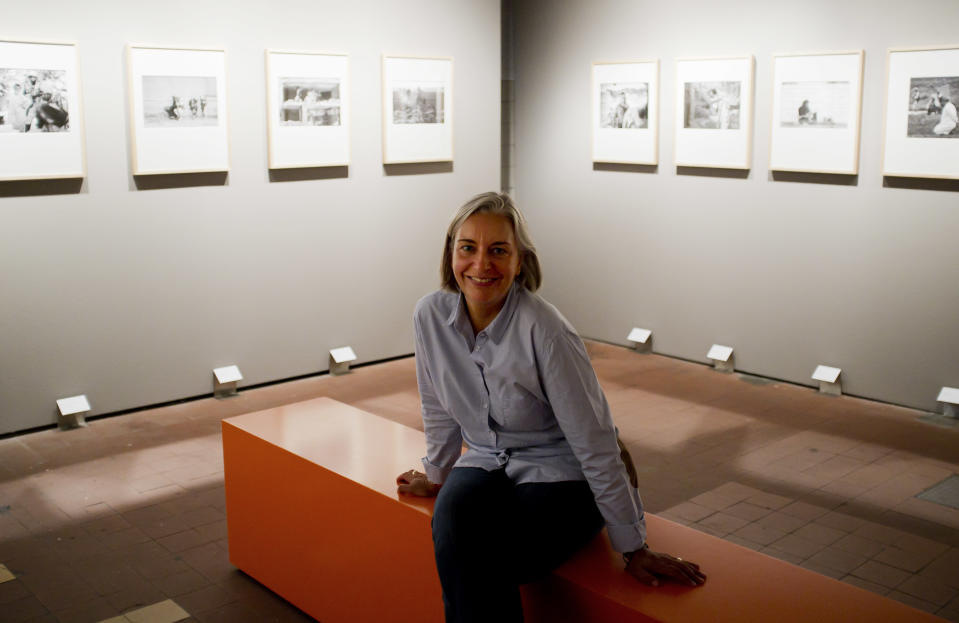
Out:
{"x": 625, "y": 112}
{"x": 178, "y": 110}
{"x": 308, "y": 109}
{"x": 714, "y": 112}
{"x": 816, "y": 112}
{"x": 920, "y": 130}
{"x": 417, "y": 109}
{"x": 41, "y": 111}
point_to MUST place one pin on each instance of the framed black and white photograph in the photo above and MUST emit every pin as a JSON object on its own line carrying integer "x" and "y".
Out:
{"x": 417, "y": 109}
{"x": 308, "y": 112}
{"x": 921, "y": 126}
{"x": 817, "y": 99}
{"x": 625, "y": 112}
{"x": 714, "y": 110}
{"x": 178, "y": 112}
{"x": 41, "y": 122}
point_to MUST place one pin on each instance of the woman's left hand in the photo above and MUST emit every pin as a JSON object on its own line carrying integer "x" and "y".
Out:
{"x": 648, "y": 566}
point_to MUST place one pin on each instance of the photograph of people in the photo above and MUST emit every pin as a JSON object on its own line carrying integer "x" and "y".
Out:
{"x": 932, "y": 111}
{"x": 947, "y": 117}
{"x": 501, "y": 370}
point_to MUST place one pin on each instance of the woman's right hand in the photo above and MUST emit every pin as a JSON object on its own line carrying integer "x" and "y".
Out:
{"x": 416, "y": 483}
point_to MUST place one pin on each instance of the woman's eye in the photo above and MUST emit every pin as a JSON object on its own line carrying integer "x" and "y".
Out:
{"x": 499, "y": 251}
{"x": 466, "y": 248}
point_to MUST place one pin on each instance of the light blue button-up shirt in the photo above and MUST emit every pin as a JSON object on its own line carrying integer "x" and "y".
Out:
{"x": 522, "y": 395}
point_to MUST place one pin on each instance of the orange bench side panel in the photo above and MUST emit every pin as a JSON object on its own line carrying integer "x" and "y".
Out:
{"x": 323, "y": 542}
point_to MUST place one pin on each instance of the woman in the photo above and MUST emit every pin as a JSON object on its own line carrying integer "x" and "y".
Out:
{"x": 500, "y": 369}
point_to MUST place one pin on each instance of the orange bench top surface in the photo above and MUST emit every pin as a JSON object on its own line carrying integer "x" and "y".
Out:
{"x": 365, "y": 448}
{"x": 742, "y": 585}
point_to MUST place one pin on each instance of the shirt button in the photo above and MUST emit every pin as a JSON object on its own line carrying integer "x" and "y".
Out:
{"x": 486, "y": 405}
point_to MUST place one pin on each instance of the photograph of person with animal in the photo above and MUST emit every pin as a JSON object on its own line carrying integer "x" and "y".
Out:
{"x": 624, "y": 105}
{"x": 179, "y": 101}
{"x": 932, "y": 107}
{"x": 712, "y": 105}
{"x": 820, "y": 104}
{"x": 309, "y": 101}
{"x": 33, "y": 100}
{"x": 420, "y": 103}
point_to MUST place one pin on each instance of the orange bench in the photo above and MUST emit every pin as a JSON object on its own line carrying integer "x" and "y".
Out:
{"x": 313, "y": 514}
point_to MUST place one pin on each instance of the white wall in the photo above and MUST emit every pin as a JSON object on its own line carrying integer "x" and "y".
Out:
{"x": 133, "y": 295}
{"x": 792, "y": 272}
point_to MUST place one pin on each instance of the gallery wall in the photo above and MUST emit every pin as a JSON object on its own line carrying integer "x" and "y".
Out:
{"x": 792, "y": 270}
{"x": 131, "y": 290}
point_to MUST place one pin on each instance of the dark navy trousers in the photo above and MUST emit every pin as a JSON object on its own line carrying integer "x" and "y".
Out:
{"x": 491, "y": 535}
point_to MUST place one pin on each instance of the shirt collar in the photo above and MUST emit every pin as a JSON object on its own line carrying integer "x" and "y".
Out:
{"x": 460, "y": 320}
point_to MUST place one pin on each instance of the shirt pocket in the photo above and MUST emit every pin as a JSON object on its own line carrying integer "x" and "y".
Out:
{"x": 526, "y": 412}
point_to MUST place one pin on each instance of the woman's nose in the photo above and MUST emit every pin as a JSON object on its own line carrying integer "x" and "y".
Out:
{"x": 484, "y": 259}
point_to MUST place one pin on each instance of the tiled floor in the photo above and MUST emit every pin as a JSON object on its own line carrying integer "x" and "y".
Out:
{"x": 125, "y": 514}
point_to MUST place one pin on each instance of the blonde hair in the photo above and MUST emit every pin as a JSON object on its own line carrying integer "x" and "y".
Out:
{"x": 530, "y": 274}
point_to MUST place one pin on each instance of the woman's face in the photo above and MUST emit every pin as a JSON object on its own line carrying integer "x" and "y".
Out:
{"x": 486, "y": 260}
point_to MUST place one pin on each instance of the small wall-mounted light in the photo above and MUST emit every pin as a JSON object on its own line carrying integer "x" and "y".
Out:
{"x": 722, "y": 357}
{"x": 340, "y": 359}
{"x": 225, "y": 380}
{"x": 828, "y": 378}
{"x": 72, "y": 411}
{"x": 641, "y": 339}
{"x": 949, "y": 397}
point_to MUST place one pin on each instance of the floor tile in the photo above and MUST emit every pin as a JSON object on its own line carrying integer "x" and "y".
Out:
{"x": 781, "y": 521}
{"x": 840, "y": 521}
{"x": 804, "y": 510}
{"x": 945, "y": 568}
{"x": 881, "y": 574}
{"x": 859, "y": 545}
{"x": 207, "y": 598}
{"x": 915, "y": 602}
{"x": 749, "y": 512}
{"x": 86, "y": 612}
{"x": 879, "y": 532}
{"x": 928, "y": 589}
{"x": 24, "y": 609}
{"x": 907, "y": 560}
{"x": 723, "y": 523}
{"x": 838, "y": 559}
{"x": 166, "y": 611}
{"x": 177, "y": 584}
{"x": 797, "y": 546}
{"x": 879, "y": 589}
{"x": 822, "y": 569}
{"x": 759, "y": 534}
{"x": 768, "y": 500}
{"x": 782, "y": 555}
{"x": 13, "y": 590}
{"x": 817, "y": 533}
{"x": 690, "y": 511}
{"x": 5, "y": 574}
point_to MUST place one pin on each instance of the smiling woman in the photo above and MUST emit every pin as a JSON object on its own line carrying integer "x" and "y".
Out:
{"x": 501, "y": 370}
{"x": 486, "y": 260}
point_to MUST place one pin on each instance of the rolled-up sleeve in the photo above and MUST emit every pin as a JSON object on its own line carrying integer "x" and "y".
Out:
{"x": 583, "y": 414}
{"x": 444, "y": 439}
